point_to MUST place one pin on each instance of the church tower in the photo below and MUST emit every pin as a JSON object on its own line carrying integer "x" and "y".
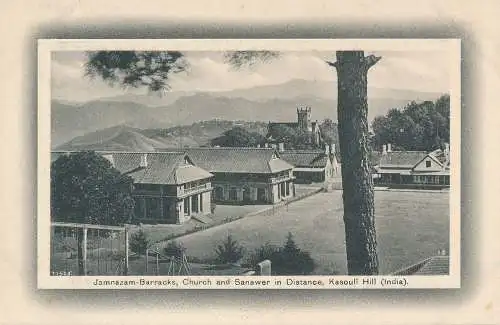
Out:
{"x": 304, "y": 118}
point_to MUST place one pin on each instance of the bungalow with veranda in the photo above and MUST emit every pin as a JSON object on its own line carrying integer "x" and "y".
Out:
{"x": 245, "y": 175}
{"x": 312, "y": 166}
{"x": 168, "y": 187}
{"x": 418, "y": 169}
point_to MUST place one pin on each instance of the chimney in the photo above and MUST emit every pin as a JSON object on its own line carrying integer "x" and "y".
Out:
{"x": 110, "y": 159}
{"x": 384, "y": 148}
{"x": 281, "y": 147}
{"x": 144, "y": 160}
{"x": 327, "y": 149}
{"x": 389, "y": 149}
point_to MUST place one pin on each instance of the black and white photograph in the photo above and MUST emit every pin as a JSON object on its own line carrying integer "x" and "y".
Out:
{"x": 316, "y": 164}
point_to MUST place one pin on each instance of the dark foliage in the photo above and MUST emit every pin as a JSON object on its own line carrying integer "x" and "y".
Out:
{"x": 139, "y": 242}
{"x": 418, "y": 126}
{"x": 286, "y": 260}
{"x": 248, "y": 59}
{"x": 291, "y": 137}
{"x": 150, "y": 69}
{"x": 229, "y": 251}
{"x": 85, "y": 188}
{"x": 329, "y": 132}
{"x": 238, "y": 137}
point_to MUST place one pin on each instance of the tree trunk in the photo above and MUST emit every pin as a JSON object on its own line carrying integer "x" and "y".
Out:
{"x": 359, "y": 212}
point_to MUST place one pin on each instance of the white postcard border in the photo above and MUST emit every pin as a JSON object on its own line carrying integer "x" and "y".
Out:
{"x": 46, "y": 47}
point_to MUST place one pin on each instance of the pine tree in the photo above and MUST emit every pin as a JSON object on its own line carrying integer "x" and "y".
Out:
{"x": 358, "y": 197}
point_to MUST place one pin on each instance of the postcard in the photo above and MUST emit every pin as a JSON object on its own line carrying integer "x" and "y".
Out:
{"x": 248, "y": 164}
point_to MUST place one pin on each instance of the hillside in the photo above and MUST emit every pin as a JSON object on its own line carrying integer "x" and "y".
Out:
{"x": 69, "y": 121}
{"x": 118, "y": 138}
{"x": 125, "y": 138}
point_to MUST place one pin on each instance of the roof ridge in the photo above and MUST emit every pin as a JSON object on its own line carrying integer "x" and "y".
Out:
{"x": 231, "y": 148}
{"x": 119, "y": 152}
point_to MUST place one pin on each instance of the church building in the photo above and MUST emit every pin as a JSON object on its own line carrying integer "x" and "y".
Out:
{"x": 304, "y": 123}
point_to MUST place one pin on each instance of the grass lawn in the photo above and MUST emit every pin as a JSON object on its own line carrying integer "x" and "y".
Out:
{"x": 222, "y": 213}
{"x": 410, "y": 227}
{"x": 160, "y": 232}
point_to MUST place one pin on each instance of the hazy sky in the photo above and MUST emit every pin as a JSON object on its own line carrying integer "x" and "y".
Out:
{"x": 421, "y": 71}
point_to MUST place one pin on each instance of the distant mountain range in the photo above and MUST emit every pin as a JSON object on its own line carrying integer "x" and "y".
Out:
{"x": 265, "y": 103}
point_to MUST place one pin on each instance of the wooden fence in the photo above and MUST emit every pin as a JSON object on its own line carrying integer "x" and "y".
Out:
{"x": 88, "y": 249}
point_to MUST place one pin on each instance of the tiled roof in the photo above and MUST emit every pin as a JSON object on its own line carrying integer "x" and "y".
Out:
{"x": 289, "y": 124}
{"x": 401, "y": 159}
{"x": 167, "y": 168}
{"x": 237, "y": 160}
{"x": 305, "y": 158}
{"x": 435, "y": 265}
{"x": 439, "y": 155}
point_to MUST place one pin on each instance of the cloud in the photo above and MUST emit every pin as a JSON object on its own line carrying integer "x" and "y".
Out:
{"x": 416, "y": 70}
{"x": 69, "y": 83}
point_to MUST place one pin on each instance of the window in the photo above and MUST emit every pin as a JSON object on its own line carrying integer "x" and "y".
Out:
{"x": 139, "y": 208}
{"x": 194, "y": 203}
{"x": 166, "y": 208}
{"x": 186, "y": 206}
{"x": 261, "y": 194}
{"x": 219, "y": 193}
{"x": 428, "y": 163}
{"x": 233, "y": 194}
{"x": 153, "y": 208}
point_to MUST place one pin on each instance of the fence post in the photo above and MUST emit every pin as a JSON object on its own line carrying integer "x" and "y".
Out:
{"x": 157, "y": 264}
{"x": 125, "y": 271}
{"x": 264, "y": 268}
{"x": 84, "y": 244}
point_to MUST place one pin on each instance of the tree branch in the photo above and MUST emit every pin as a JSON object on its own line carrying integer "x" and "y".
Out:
{"x": 371, "y": 60}
{"x": 332, "y": 64}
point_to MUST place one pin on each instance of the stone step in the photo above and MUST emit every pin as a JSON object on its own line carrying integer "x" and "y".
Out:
{"x": 202, "y": 218}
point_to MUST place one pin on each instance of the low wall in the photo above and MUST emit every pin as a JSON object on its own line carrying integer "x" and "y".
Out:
{"x": 414, "y": 186}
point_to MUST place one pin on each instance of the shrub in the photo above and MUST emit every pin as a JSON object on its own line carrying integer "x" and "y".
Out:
{"x": 139, "y": 242}
{"x": 293, "y": 261}
{"x": 229, "y": 251}
{"x": 264, "y": 252}
{"x": 285, "y": 260}
{"x": 174, "y": 249}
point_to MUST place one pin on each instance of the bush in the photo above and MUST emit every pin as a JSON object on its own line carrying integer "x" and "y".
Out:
{"x": 229, "y": 251}
{"x": 174, "y": 249}
{"x": 264, "y": 252}
{"x": 139, "y": 242}
{"x": 286, "y": 260}
{"x": 292, "y": 260}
